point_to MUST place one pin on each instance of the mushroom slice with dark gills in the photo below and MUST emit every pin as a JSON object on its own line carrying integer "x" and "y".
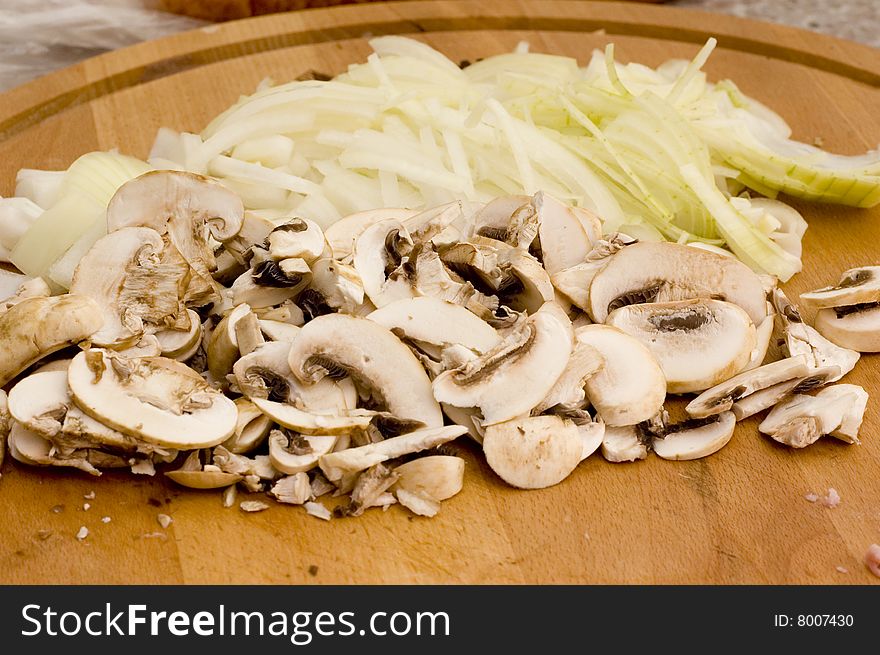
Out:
{"x": 801, "y": 420}
{"x": 270, "y": 283}
{"x": 695, "y": 438}
{"x": 856, "y": 327}
{"x": 380, "y": 253}
{"x": 344, "y": 232}
{"x": 514, "y": 376}
{"x": 698, "y": 343}
{"x": 801, "y": 339}
{"x": 373, "y": 356}
{"x": 298, "y": 238}
{"x": 767, "y": 398}
{"x": 265, "y": 374}
{"x": 721, "y": 397}
{"x": 339, "y": 286}
{"x": 856, "y": 286}
{"x": 630, "y": 387}
{"x": 663, "y": 272}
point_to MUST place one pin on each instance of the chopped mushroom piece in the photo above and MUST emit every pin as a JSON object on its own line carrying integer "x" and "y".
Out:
{"x": 37, "y": 327}
{"x": 622, "y": 444}
{"x": 568, "y": 391}
{"x": 533, "y": 453}
{"x": 292, "y": 489}
{"x": 342, "y": 234}
{"x": 318, "y": 510}
{"x": 370, "y": 485}
{"x": 298, "y": 237}
{"x": 630, "y": 387}
{"x": 514, "y": 376}
{"x": 418, "y": 502}
{"x": 767, "y": 398}
{"x": 801, "y": 420}
{"x": 295, "y": 453}
{"x": 856, "y": 286}
{"x": 665, "y": 272}
{"x": 695, "y": 438}
{"x": 698, "y": 343}
{"x": 438, "y": 476}
{"x": 574, "y": 282}
{"x": 856, "y": 327}
{"x": 253, "y": 506}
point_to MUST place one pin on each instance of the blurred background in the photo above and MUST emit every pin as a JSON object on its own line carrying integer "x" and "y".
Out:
{"x": 38, "y": 36}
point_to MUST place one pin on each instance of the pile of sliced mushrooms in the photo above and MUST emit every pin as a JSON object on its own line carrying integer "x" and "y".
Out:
{"x": 300, "y": 363}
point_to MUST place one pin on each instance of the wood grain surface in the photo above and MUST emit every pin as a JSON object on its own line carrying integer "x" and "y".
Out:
{"x": 737, "y": 517}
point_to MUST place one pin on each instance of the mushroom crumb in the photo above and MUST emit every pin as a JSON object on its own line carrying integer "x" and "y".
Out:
{"x": 229, "y": 495}
{"x": 318, "y": 510}
{"x": 57, "y": 509}
{"x": 89, "y": 496}
{"x": 841, "y": 569}
{"x": 831, "y": 499}
{"x": 164, "y": 520}
{"x": 42, "y": 535}
{"x": 418, "y": 503}
{"x": 86, "y": 507}
{"x": 811, "y": 497}
{"x": 253, "y": 506}
{"x": 293, "y": 489}
{"x": 105, "y": 519}
{"x": 83, "y": 533}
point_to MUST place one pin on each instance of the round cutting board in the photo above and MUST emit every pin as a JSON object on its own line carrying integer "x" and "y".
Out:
{"x": 739, "y": 516}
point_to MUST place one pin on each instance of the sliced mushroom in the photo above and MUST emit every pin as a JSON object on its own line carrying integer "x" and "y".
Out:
{"x": 514, "y": 376}
{"x": 535, "y": 452}
{"x": 377, "y": 360}
{"x": 763, "y": 337}
{"x": 592, "y": 435}
{"x": 767, "y": 398}
{"x": 801, "y": 420}
{"x": 378, "y": 258}
{"x": 30, "y": 448}
{"x": 42, "y": 404}
{"x": 630, "y": 387}
{"x": 297, "y": 238}
{"x": 5, "y": 420}
{"x": 251, "y": 428}
{"x": 721, "y": 397}
{"x": 271, "y": 283}
{"x": 307, "y": 422}
{"x": 344, "y": 232}
{"x": 339, "y": 285}
{"x": 801, "y": 339}
{"x": 525, "y": 285}
{"x": 222, "y": 346}
{"x": 437, "y": 322}
{"x": 438, "y": 476}
{"x": 253, "y": 232}
{"x": 695, "y": 438}
{"x": 574, "y": 281}
{"x": 37, "y": 327}
{"x": 186, "y": 207}
{"x": 856, "y": 327}
{"x": 622, "y": 444}
{"x": 568, "y": 391}
{"x": 192, "y": 475}
{"x": 248, "y": 334}
{"x": 148, "y": 346}
{"x": 278, "y": 330}
{"x": 663, "y": 272}
{"x": 856, "y": 286}
{"x": 155, "y": 399}
{"x": 138, "y": 283}
{"x": 294, "y": 453}
{"x": 698, "y": 343}
{"x": 352, "y": 460}
{"x": 564, "y": 242}
{"x": 181, "y": 344}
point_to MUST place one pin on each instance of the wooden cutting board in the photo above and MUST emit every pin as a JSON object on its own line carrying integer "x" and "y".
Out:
{"x": 737, "y": 517}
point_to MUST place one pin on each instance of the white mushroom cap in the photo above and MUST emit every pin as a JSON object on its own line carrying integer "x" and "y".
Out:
{"x": 373, "y": 260}
{"x": 437, "y": 322}
{"x": 663, "y": 272}
{"x": 374, "y": 357}
{"x": 514, "y": 376}
{"x": 534, "y": 452}
{"x": 622, "y": 444}
{"x": 856, "y": 327}
{"x": 696, "y": 438}
{"x": 154, "y": 399}
{"x": 630, "y": 387}
{"x": 856, "y": 286}
{"x": 37, "y": 327}
{"x": 722, "y": 396}
{"x": 801, "y": 420}
{"x": 698, "y": 343}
